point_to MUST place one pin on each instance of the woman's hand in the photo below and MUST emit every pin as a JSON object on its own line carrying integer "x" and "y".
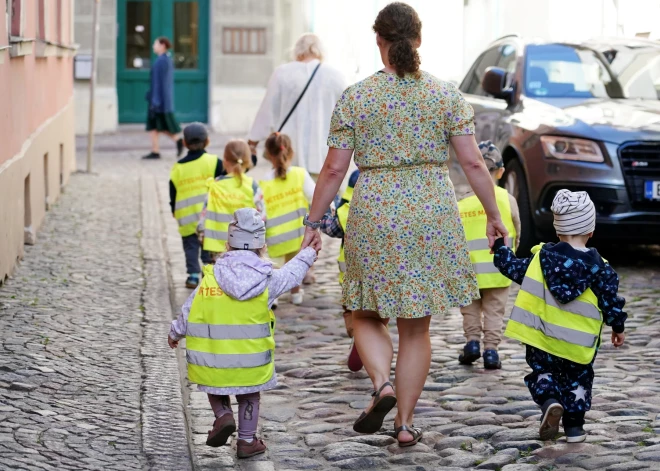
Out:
{"x": 312, "y": 238}
{"x": 495, "y": 229}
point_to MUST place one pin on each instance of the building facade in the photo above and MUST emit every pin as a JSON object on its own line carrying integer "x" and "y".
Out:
{"x": 36, "y": 117}
{"x": 223, "y": 51}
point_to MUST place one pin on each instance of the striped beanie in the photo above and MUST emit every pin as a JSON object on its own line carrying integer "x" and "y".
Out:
{"x": 574, "y": 213}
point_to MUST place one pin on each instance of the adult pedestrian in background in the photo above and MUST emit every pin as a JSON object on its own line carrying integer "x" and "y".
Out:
{"x": 160, "y": 117}
{"x": 406, "y": 254}
{"x": 304, "y": 91}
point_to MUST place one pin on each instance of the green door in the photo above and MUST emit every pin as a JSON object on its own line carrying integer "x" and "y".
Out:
{"x": 186, "y": 24}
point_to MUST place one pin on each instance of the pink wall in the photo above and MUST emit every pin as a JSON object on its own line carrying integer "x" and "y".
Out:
{"x": 33, "y": 88}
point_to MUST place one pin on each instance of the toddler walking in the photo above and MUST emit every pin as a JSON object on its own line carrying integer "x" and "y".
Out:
{"x": 493, "y": 287}
{"x": 567, "y": 292}
{"x": 226, "y": 194}
{"x": 229, "y": 326}
{"x": 288, "y": 192}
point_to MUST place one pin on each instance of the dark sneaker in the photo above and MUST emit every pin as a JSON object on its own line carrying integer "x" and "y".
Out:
{"x": 492, "y": 360}
{"x": 152, "y": 155}
{"x": 354, "y": 360}
{"x": 471, "y": 353}
{"x": 223, "y": 427}
{"x": 552, "y": 413}
{"x": 245, "y": 449}
{"x": 179, "y": 147}
{"x": 192, "y": 281}
{"x": 575, "y": 434}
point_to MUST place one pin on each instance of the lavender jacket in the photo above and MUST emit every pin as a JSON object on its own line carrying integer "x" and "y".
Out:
{"x": 243, "y": 275}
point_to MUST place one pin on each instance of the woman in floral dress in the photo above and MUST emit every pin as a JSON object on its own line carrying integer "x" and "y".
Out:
{"x": 406, "y": 254}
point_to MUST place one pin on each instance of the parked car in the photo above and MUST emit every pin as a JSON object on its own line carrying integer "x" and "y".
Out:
{"x": 564, "y": 119}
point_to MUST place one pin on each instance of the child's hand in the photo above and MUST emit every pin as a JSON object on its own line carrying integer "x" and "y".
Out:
{"x": 172, "y": 343}
{"x": 617, "y": 339}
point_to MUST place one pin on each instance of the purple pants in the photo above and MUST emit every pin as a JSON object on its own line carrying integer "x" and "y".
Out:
{"x": 248, "y": 412}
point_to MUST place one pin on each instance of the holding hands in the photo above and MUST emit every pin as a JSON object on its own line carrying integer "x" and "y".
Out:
{"x": 618, "y": 339}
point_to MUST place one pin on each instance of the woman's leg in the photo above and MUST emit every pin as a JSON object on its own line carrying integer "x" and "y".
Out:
{"x": 412, "y": 368}
{"x": 374, "y": 345}
{"x": 155, "y": 148}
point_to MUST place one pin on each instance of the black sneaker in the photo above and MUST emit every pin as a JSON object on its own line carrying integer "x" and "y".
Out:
{"x": 471, "y": 353}
{"x": 152, "y": 155}
{"x": 552, "y": 413}
{"x": 575, "y": 434}
{"x": 179, "y": 147}
{"x": 492, "y": 360}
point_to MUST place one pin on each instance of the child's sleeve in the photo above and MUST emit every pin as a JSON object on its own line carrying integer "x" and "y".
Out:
{"x": 610, "y": 303}
{"x": 308, "y": 187}
{"x": 291, "y": 274}
{"x": 331, "y": 226}
{"x": 180, "y": 324}
{"x": 508, "y": 264}
{"x": 172, "y": 196}
{"x": 259, "y": 203}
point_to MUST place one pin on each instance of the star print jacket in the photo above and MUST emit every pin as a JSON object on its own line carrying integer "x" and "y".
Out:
{"x": 568, "y": 273}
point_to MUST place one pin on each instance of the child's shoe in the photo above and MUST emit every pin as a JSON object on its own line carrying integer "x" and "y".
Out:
{"x": 223, "y": 427}
{"x": 354, "y": 360}
{"x": 552, "y": 413}
{"x": 471, "y": 353}
{"x": 246, "y": 450}
{"x": 297, "y": 298}
{"x": 193, "y": 281}
{"x": 492, "y": 360}
{"x": 575, "y": 434}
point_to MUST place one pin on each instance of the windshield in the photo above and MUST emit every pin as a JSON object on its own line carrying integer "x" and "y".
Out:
{"x": 560, "y": 71}
{"x": 638, "y": 71}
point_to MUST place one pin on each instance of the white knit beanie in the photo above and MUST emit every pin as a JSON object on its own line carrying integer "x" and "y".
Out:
{"x": 247, "y": 231}
{"x": 574, "y": 213}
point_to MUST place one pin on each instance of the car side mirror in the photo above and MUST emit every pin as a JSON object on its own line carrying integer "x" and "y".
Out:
{"x": 495, "y": 83}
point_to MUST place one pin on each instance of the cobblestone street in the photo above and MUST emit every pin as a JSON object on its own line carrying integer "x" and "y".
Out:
{"x": 87, "y": 380}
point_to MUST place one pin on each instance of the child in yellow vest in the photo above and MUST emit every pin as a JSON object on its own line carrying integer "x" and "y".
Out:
{"x": 493, "y": 287}
{"x": 188, "y": 190}
{"x": 226, "y": 194}
{"x": 567, "y": 292}
{"x": 288, "y": 192}
{"x": 228, "y": 325}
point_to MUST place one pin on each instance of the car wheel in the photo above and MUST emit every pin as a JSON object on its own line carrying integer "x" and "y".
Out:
{"x": 514, "y": 182}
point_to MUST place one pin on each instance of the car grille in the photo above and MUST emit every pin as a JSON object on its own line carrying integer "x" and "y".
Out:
{"x": 640, "y": 162}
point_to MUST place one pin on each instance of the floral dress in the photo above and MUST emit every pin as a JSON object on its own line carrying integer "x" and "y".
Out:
{"x": 406, "y": 253}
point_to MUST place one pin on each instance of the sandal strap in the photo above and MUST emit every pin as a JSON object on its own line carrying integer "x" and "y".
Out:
{"x": 412, "y": 430}
{"x": 376, "y": 394}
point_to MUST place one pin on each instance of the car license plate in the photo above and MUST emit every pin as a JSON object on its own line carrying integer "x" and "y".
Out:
{"x": 652, "y": 190}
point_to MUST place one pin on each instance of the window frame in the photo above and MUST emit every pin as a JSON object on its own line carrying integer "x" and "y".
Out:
{"x": 229, "y": 47}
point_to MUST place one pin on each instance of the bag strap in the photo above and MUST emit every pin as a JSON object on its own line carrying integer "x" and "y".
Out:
{"x": 295, "y": 105}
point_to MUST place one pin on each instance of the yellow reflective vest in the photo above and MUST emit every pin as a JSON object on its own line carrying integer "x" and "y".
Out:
{"x": 229, "y": 343}
{"x": 189, "y": 179}
{"x": 225, "y": 196}
{"x": 571, "y": 331}
{"x": 474, "y": 222}
{"x": 342, "y": 214}
{"x": 286, "y": 205}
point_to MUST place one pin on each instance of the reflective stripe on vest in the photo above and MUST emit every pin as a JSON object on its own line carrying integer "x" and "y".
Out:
{"x": 225, "y": 197}
{"x": 286, "y": 206}
{"x": 474, "y": 221}
{"x": 571, "y": 331}
{"x": 342, "y": 215}
{"x": 189, "y": 179}
{"x": 229, "y": 342}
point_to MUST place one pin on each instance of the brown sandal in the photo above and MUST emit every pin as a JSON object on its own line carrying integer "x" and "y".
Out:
{"x": 414, "y": 431}
{"x": 372, "y": 421}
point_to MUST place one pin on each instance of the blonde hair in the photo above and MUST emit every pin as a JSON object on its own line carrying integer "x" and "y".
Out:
{"x": 237, "y": 152}
{"x": 279, "y": 152}
{"x": 307, "y": 45}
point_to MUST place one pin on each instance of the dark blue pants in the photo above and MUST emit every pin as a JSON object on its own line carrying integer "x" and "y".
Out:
{"x": 567, "y": 382}
{"x": 192, "y": 248}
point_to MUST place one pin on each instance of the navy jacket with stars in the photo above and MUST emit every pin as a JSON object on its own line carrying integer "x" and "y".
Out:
{"x": 568, "y": 273}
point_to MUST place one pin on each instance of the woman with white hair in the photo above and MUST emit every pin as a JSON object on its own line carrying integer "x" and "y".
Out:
{"x": 308, "y": 113}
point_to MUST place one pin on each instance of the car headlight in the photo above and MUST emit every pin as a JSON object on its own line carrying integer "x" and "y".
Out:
{"x": 569, "y": 148}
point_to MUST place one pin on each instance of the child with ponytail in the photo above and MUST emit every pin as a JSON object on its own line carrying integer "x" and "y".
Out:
{"x": 226, "y": 194}
{"x": 288, "y": 192}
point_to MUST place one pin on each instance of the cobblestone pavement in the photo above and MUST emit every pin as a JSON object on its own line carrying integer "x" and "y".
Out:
{"x": 86, "y": 380}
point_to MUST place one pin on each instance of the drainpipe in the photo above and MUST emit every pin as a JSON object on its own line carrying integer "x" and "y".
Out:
{"x": 92, "y": 83}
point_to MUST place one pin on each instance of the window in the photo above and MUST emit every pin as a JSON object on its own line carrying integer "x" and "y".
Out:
{"x": 41, "y": 20}
{"x": 15, "y": 8}
{"x": 244, "y": 40}
{"x": 503, "y": 56}
{"x": 58, "y": 16}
